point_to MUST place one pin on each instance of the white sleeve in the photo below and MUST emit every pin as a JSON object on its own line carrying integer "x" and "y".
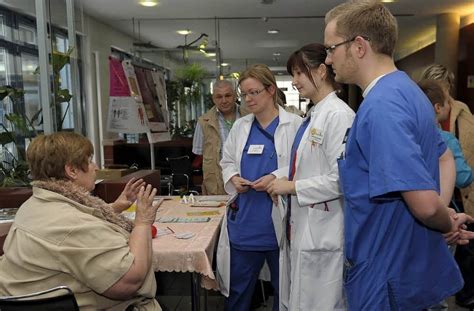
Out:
{"x": 198, "y": 139}
{"x": 321, "y": 188}
{"x": 229, "y": 163}
{"x": 281, "y": 172}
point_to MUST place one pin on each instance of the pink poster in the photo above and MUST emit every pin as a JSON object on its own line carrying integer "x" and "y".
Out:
{"x": 118, "y": 81}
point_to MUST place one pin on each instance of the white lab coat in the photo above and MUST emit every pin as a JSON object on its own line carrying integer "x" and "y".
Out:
{"x": 316, "y": 250}
{"x": 230, "y": 163}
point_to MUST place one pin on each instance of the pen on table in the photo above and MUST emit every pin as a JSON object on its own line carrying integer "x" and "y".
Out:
{"x": 170, "y": 229}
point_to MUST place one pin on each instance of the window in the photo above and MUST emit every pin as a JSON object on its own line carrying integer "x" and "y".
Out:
{"x": 27, "y": 34}
{"x": 18, "y": 68}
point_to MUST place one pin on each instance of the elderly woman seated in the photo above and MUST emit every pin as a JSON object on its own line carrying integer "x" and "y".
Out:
{"x": 63, "y": 235}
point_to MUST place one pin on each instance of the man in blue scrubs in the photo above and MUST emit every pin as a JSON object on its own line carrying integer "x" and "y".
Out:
{"x": 396, "y": 256}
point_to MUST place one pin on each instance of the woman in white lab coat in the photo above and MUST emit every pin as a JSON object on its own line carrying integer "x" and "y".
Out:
{"x": 257, "y": 145}
{"x": 315, "y": 212}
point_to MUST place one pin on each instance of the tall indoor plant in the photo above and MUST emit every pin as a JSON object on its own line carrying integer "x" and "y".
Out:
{"x": 189, "y": 94}
{"x": 17, "y": 128}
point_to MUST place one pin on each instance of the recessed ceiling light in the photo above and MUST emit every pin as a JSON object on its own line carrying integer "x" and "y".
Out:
{"x": 273, "y": 31}
{"x": 276, "y": 54}
{"x": 184, "y": 32}
{"x": 225, "y": 64}
{"x": 148, "y": 3}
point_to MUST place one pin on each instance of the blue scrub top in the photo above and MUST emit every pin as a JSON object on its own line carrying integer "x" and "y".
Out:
{"x": 295, "y": 146}
{"x": 393, "y": 262}
{"x": 464, "y": 176}
{"x": 252, "y": 227}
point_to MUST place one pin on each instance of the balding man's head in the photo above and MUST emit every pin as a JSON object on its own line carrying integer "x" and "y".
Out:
{"x": 224, "y": 96}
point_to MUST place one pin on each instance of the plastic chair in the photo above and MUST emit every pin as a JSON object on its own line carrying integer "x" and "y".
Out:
{"x": 62, "y": 300}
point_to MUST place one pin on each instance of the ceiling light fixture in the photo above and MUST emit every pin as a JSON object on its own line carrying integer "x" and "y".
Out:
{"x": 273, "y": 31}
{"x": 210, "y": 54}
{"x": 184, "y": 32}
{"x": 148, "y": 3}
{"x": 225, "y": 64}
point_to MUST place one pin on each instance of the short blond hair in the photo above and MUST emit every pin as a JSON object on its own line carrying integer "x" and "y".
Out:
{"x": 262, "y": 73}
{"x": 440, "y": 73}
{"x": 47, "y": 155}
{"x": 368, "y": 18}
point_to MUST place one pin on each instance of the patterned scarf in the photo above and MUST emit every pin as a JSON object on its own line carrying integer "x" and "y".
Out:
{"x": 76, "y": 193}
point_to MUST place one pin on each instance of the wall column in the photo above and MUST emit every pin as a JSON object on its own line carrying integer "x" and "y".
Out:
{"x": 447, "y": 41}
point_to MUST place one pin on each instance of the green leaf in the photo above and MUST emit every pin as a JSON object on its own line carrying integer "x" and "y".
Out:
{"x": 6, "y": 138}
{"x": 62, "y": 96}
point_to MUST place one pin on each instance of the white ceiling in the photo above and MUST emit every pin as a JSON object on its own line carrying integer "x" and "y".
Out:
{"x": 243, "y": 25}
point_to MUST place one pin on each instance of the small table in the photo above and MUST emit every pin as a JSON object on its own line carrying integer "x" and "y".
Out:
{"x": 194, "y": 255}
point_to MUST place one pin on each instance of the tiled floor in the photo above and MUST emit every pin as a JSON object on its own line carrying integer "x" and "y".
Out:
{"x": 174, "y": 295}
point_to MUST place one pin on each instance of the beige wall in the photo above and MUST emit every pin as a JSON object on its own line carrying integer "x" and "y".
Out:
{"x": 414, "y": 64}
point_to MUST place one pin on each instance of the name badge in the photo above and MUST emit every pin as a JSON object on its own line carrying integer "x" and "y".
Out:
{"x": 316, "y": 135}
{"x": 255, "y": 149}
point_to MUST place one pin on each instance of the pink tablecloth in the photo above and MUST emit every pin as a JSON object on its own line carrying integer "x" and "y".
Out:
{"x": 172, "y": 254}
{"x": 191, "y": 255}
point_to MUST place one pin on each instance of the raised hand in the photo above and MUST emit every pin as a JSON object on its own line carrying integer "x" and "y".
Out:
{"x": 128, "y": 195}
{"x": 146, "y": 210}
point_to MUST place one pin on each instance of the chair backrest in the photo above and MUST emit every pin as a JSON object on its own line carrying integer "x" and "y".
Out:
{"x": 180, "y": 165}
{"x": 54, "y": 299}
{"x": 181, "y": 171}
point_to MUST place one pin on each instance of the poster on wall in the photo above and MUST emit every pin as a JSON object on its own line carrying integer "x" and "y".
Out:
{"x": 118, "y": 81}
{"x": 134, "y": 104}
{"x": 160, "y": 88}
{"x": 126, "y": 115}
{"x": 131, "y": 79}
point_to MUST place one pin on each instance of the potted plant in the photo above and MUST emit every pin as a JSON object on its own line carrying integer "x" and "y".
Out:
{"x": 18, "y": 129}
{"x": 188, "y": 95}
{"x": 190, "y": 74}
{"x": 14, "y": 171}
{"x": 58, "y": 61}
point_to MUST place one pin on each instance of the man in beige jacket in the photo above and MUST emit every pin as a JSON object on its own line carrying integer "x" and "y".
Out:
{"x": 211, "y": 132}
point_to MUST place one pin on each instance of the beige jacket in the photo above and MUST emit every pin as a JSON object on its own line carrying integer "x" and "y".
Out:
{"x": 57, "y": 241}
{"x": 461, "y": 124}
{"x": 212, "y": 183}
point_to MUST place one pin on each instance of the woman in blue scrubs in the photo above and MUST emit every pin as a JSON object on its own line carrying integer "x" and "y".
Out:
{"x": 258, "y": 144}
